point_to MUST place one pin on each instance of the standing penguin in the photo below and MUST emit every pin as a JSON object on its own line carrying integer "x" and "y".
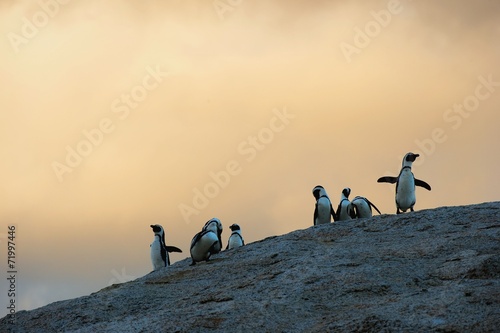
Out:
{"x": 216, "y": 226}
{"x": 323, "y": 209}
{"x": 159, "y": 250}
{"x": 203, "y": 245}
{"x": 343, "y": 208}
{"x": 207, "y": 241}
{"x": 361, "y": 207}
{"x": 405, "y": 184}
{"x": 235, "y": 240}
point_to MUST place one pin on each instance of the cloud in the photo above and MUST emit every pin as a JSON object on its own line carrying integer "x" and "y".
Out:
{"x": 353, "y": 121}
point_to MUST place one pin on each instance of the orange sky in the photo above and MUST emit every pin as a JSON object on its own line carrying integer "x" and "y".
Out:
{"x": 158, "y": 98}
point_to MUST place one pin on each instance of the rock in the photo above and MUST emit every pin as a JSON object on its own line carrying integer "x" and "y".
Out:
{"x": 435, "y": 270}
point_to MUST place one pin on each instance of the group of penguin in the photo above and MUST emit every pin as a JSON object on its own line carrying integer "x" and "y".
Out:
{"x": 361, "y": 207}
{"x": 205, "y": 243}
{"x": 208, "y": 241}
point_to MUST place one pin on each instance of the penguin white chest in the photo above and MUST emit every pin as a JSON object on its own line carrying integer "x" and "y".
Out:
{"x": 405, "y": 192}
{"x": 235, "y": 240}
{"x": 323, "y": 211}
{"x": 156, "y": 258}
{"x": 201, "y": 249}
{"x": 344, "y": 210}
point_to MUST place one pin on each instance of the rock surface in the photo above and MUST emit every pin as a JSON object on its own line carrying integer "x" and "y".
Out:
{"x": 435, "y": 270}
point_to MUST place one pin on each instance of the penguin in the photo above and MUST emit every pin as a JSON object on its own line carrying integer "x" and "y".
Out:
{"x": 323, "y": 209}
{"x": 343, "y": 208}
{"x": 203, "y": 245}
{"x": 216, "y": 226}
{"x": 235, "y": 240}
{"x": 361, "y": 207}
{"x": 405, "y": 184}
{"x": 159, "y": 250}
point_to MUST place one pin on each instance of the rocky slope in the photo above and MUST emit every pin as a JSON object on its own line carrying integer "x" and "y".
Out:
{"x": 429, "y": 271}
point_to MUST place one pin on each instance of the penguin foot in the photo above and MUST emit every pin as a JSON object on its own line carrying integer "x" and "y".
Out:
{"x": 193, "y": 263}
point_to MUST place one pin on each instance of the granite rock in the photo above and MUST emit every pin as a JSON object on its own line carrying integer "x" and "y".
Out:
{"x": 435, "y": 270}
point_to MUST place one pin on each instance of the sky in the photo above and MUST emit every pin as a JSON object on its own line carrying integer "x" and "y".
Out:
{"x": 118, "y": 115}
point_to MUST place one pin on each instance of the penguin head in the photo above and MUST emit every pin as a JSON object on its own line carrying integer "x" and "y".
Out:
{"x": 213, "y": 224}
{"x": 157, "y": 229}
{"x": 318, "y": 191}
{"x": 409, "y": 159}
{"x": 234, "y": 227}
{"x": 346, "y": 192}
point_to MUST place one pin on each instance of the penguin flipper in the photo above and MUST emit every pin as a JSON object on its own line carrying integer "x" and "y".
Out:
{"x": 334, "y": 216}
{"x": 353, "y": 211}
{"x": 164, "y": 255}
{"x": 212, "y": 249}
{"x": 423, "y": 184}
{"x": 195, "y": 240}
{"x": 173, "y": 249}
{"x": 371, "y": 204}
{"x": 387, "y": 179}
{"x": 242, "y": 241}
{"x": 315, "y": 214}
{"x": 197, "y": 237}
{"x": 338, "y": 211}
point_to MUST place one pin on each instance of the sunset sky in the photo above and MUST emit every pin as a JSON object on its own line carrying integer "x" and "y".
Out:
{"x": 120, "y": 114}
